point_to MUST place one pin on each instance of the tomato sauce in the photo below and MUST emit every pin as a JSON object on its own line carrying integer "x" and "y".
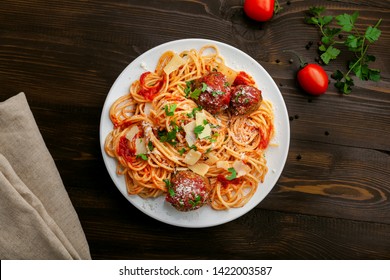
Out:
{"x": 123, "y": 125}
{"x": 149, "y": 92}
{"x": 243, "y": 79}
{"x": 265, "y": 138}
{"x": 124, "y": 149}
{"x": 225, "y": 182}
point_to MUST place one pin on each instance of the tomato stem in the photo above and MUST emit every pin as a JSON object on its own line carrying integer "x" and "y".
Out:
{"x": 277, "y": 7}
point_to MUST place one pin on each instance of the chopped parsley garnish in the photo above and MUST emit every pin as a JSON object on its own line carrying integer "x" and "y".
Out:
{"x": 170, "y": 110}
{"x": 198, "y": 130}
{"x": 187, "y": 90}
{"x": 142, "y": 156}
{"x": 233, "y": 174}
{"x": 150, "y": 146}
{"x": 182, "y": 151}
{"x": 193, "y": 113}
{"x": 238, "y": 96}
{"x": 204, "y": 87}
{"x": 217, "y": 92}
{"x": 169, "y": 186}
{"x": 168, "y": 136}
{"x": 193, "y": 147}
{"x": 195, "y": 94}
{"x": 196, "y": 201}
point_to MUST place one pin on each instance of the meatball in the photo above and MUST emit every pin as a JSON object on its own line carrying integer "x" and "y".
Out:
{"x": 245, "y": 99}
{"x": 188, "y": 191}
{"x": 214, "y": 92}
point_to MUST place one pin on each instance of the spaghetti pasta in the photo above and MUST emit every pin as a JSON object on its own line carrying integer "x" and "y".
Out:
{"x": 159, "y": 129}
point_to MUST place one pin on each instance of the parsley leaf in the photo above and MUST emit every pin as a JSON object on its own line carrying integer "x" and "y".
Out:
{"x": 353, "y": 43}
{"x": 372, "y": 34}
{"x": 196, "y": 201}
{"x": 193, "y": 147}
{"x": 198, "y": 129}
{"x": 233, "y": 174}
{"x": 215, "y": 93}
{"x": 195, "y": 94}
{"x": 193, "y": 113}
{"x": 316, "y": 11}
{"x": 142, "y": 156}
{"x": 187, "y": 89}
{"x": 343, "y": 83}
{"x": 150, "y": 146}
{"x": 182, "y": 151}
{"x": 168, "y": 184}
{"x": 169, "y": 111}
{"x": 346, "y": 21}
{"x": 204, "y": 87}
{"x": 168, "y": 136}
{"x": 329, "y": 54}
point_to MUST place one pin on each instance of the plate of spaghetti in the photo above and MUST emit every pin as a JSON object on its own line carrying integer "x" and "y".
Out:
{"x": 194, "y": 133}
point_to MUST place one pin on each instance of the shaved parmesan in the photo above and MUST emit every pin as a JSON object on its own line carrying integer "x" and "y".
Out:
{"x": 200, "y": 168}
{"x": 132, "y": 132}
{"x": 190, "y": 134}
{"x": 212, "y": 158}
{"x": 241, "y": 168}
{"x": 192, "y": 157}
{"x": 206, "y": 132}
{"x": 140, "y": 147}
{"x": 147, "y": 108}
{"x": 174, "y": 64}
{"x": 228, "y": 72}
{"x": 223, "y": 164}
{"x": 200, "y": 118}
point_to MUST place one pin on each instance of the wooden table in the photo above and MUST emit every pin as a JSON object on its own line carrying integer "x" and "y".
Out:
{"x": 332, "y": 200}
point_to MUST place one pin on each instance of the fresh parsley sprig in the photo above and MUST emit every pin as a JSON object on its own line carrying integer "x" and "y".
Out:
{"x": 356, "y": 42}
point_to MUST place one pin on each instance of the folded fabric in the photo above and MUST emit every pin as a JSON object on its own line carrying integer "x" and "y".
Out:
{"x": 37, "y": 218}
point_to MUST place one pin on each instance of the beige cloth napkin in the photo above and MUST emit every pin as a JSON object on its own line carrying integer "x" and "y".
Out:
{"x": 37, "y": 218}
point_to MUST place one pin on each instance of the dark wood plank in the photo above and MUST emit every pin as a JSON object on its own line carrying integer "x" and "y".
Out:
{"x": 281, "y": 236}
{"x": 334, "y": 181}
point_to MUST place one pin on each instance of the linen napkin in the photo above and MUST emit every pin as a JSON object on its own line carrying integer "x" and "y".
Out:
{"x": 37, "y": 218}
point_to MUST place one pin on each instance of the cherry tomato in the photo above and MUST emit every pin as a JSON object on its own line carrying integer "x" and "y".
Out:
{"x": 259, "y": 10}
{"x": 313, "y": 79}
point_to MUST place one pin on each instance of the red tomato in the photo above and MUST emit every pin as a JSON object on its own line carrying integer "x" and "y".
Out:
{"x": 259, "y": 10}
{"x": 313, "y": 79}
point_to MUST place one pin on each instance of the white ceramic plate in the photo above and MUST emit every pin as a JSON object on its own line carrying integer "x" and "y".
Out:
{"x": 276, "y": 156}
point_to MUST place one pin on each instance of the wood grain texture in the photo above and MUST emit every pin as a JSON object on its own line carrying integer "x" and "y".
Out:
{"x": 332, "y": 200}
